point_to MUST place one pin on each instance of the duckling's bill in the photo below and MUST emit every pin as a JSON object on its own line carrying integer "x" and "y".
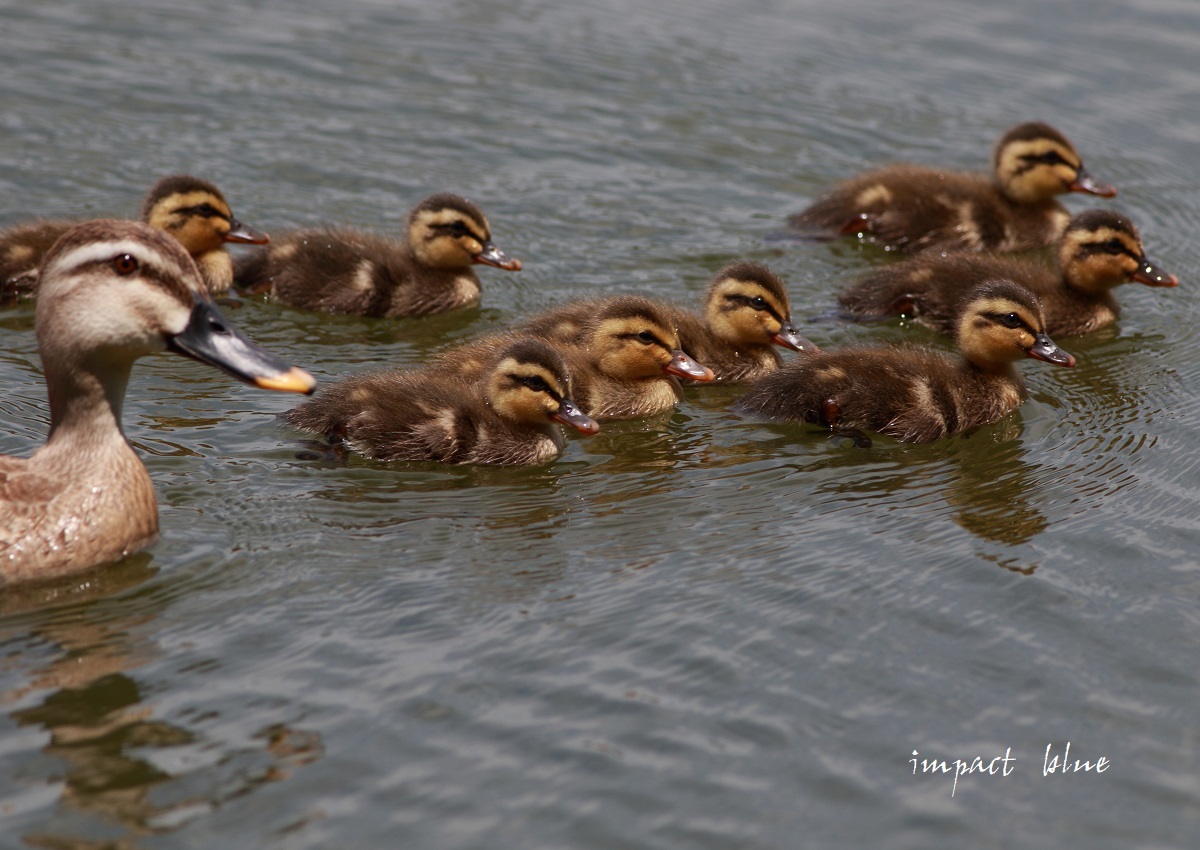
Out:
{"x": 493, "y": 256}
{"x": 1152, "y": 275}
{"x": 788, "y": 337}
{"x": 568, "y": 413}
{"x": 244, "y": 234}
{"x": 1085, "y": 182}
{"x": 683, "y": 366}
{"x": 210, "y": 338}
{"x": 1044, "y": 348}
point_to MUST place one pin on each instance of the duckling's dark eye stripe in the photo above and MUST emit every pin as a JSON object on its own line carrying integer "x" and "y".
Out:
{"x": 1003, "y": 319}
{"x": 536, "y": 383}
{"x": 457, "y": 229}
{"x": 204, "y": 210}
{"x": 749, "y": 302}
{"x": 147, "y": 268}
{"x": 1109, "y": 246}
{"x": 645, "y": 337}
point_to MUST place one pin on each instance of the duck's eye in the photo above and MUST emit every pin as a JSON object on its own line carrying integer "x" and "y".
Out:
{"x": 125, "y": 264}
{"x": 535, "y": 383}
{"x": 208, "y": 211}
{"x": 458, "y": 229}
{"x": 1011, "y": 320}
{"x": 647, "y": 337}
{"x": 1114, "y": 246}
{"x": 758, "y": 302}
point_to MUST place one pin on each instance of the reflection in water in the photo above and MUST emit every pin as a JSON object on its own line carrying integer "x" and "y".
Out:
{"x": 102, "y": 735}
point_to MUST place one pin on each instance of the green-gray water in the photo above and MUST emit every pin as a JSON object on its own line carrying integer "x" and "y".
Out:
{"x": 698, "y": 632}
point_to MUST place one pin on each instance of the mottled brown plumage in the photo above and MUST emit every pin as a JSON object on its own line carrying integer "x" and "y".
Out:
{"x": 333, "y": 270}
{"x": 110, "y": 292}
{"x": 912, "y": 208}
{"x": 1099, "y": 250}
{"x": 917, "y": 394}
{"x": 506, "y": 414}
{"x": 192, "y": 210}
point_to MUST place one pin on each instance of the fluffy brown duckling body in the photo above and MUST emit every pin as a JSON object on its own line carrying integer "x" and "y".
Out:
{"x": 346, "y": 271}
{"x": 110, "y": 292}
{"x": 508, "y": 414}
{"x": 1099, "y": 250}
{"x": 912, "y": 208}
{"x": 917, "y": 394}
{"x": 192, "y": 210}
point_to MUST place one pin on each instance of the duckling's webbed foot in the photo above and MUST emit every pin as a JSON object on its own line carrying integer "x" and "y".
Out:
{"x": 861, "y": 223}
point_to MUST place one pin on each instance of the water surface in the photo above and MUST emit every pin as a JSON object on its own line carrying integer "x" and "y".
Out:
{"x": 696, "y": 631}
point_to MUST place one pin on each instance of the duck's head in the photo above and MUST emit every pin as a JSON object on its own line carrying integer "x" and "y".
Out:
{"x": 633, "y": 339}
{"x": 196, "y": 213}
{"x": 747, "y": 304}
{"x": 1034, "y": 162}
{"x": 1101, "y": 249}
{"x": 112, "y": 291}
{"x": 529, "y": 383}
{"x": 1002, "y": 322}
{"x": 446, "y": 231}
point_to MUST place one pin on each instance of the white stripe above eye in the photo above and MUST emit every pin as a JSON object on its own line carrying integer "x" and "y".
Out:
{"x": 94, "y": 252}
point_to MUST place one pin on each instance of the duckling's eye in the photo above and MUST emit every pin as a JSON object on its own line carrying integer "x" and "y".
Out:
{"x": 535, "y": 383}
{"x": 458, "y": 229}
{"x": 1011, "y": 320}
{"x": 758, "y": 302}
{"x": 1114, "y": 246}
{"x": 207, "y": 210}
{"x": 125, "y": 264}
{"x": 647, "y": 337}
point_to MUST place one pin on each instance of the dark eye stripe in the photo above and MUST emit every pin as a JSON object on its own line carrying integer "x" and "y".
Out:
{"x": 202, "y": 210}
{"x": 1110, "y": 246}
{"x": 749, "y": 302}
{"x": 1000, "y": 319}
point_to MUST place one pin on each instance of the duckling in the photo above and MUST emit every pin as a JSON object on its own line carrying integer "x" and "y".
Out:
{"x": 747, "y": 314}
{"x": 916, "y": 394}
{"x": 192, "y": 210}
{"x": 1099, "y": 250}
{"x": 506, "y": 415}
{"x": 345, "y": 271}
{"x": 110, "y": 292}
{"x": 624, "y": 354}
{"x": 912, "y": 208}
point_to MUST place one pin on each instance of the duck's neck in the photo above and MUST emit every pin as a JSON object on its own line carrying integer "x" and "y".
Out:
{"x": 86, "y": 400}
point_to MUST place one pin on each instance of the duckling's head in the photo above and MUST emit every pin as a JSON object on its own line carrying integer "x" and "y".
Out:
{"x": 529, "y": 383}
{"x": 1034, "y": 162}
{"x": 747, "y": 305}
{"x": 633, "y": 339}
{"x": 446, "y": 231}
{"x": 112, "y": 291}
{"x": 195, "y": 212}
{"x": 1101, "y": 249}
{"x": 1003, "y": 322}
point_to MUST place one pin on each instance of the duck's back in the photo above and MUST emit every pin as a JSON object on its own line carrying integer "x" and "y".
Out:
{"x": 913, "y": 208}
{"x": 911, "y": 393}
{"x": 432, "y": 414}
{"x": 346, "y": 271}
{"x": 21, "y": 251}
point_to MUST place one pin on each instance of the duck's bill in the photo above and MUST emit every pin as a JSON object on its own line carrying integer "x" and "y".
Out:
{"x": 493, "y": 256}
{"x": 788, "y": 337}
{"x": 245, "y": 234}
{"x": 568, "y": 413}
{"x": 682, "y": 366}
{"x": 1045, "y": 349}
{"x": 210, "y": 339}
{"x": 1152, "y": 275}
{"x": 1085, "y": 182}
